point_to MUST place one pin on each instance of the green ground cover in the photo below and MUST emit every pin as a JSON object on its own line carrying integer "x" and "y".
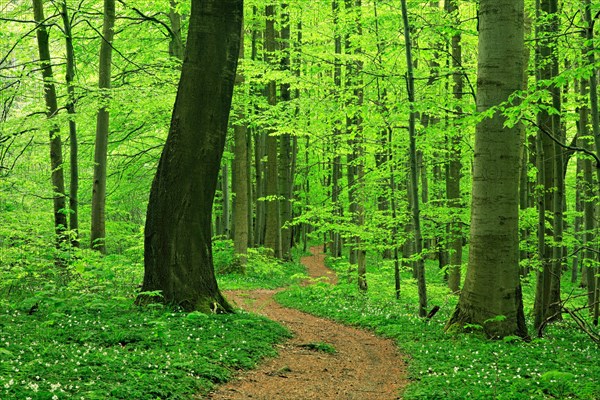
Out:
{"x": 565, "y": 364}
{"x": 77, "y": 333}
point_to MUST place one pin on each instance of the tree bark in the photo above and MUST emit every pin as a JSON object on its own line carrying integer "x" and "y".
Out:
{"x": 593, "y": 281}
{"x": 454, "y": 163}
{"x": 56, "y": 161}
{"x": 414, "y": 198}
{"x": 178, "y": 253}
{"x": 240, "y": 181}
{"x": 98, "y": 230}
{"x": 492, "y": 287}
{"x": 286, "y": 184}
{"x": 273, "y": 216}
{"x": 73, "y": 145}
{"x": 176, "y": 47}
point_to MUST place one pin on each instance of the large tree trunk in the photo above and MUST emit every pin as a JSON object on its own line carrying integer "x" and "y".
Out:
{"x": 492, "y": 287}
{"x": 98, "y": 231}
{"x": 178, "y": 253}
{"x": 56, "y": 161}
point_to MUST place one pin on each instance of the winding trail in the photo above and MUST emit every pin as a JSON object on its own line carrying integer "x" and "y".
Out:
{"x": 364, "y": 366}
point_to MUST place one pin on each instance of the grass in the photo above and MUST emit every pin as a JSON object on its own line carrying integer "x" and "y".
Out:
{"x": 563, "y": 365}
{"x": 76, "y": 333}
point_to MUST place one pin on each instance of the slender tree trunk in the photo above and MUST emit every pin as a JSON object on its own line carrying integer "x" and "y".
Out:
{"x": 492, "y": 286}
{"x": 286, "y": 182}
{"x": 176, "y": 47}
{"x": 273, "y": 215}
{"x": 547, "y": 300}
{"x": 178, "y": 252}
{"x": 226, "y": 200}
{"x": 593, "y": 283}
{"x": 351, "y": 170}
{"x": 336, "y": 172}
{"x": 453, "y": 193}
{"x": 416, "y": 218}
{"x": 98, "y": 232}
{"x": 56, "y": 161}
{"x": 73, "y": 145}
{"x": 240, "y": 181}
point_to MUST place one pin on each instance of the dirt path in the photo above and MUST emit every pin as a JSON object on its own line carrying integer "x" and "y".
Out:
{"x": 363, "y": 367}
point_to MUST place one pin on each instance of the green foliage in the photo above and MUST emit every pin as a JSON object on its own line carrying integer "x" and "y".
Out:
{"x": 90, "y": 347}
{"x": 262, "y": 270}
{"x": 75, "y": 332}
{"x": 458, "y": 366}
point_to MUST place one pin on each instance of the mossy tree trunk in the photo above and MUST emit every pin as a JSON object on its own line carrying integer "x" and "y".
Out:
{"x": 178, "y": 254}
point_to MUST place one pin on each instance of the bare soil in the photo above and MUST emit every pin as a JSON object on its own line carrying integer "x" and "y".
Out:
{"x": 364, "y": 366}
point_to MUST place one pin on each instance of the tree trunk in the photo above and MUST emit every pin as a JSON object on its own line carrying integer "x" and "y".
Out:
{"x": 226, "y": 225}
{"x": 593, "y": 282}
{"x": 73, "y": 145}
{"x": 414, "y": 198}
{"x": 56, "y": 161}
{"x": 547, "y": 62}
{"x": 286, "y": 182}
{"x": 240, "y": 181}
{"x": 176, "y": 47}
{"x": 98, "y": 231}
{"x": 454, "y": 164}
{"x": 273, "y": 217}
{"x": 178, "y": 252}
{"x": 492, "y": 287}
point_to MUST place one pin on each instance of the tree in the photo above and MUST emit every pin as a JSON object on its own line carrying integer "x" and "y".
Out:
{"x": 272, "y": 207}
{"x": 177, "y": 250}
{"x": 414, "y": 188}
{"x": 240, "y": 182}
{"x": 98, "y": 232}
{"x": 73, "y": 144}
{"x": 56, "y": 162}
{"x": 491, "y": 296}
{"x": 454, "y": 167}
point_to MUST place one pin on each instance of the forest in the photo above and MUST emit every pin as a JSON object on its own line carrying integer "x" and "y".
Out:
{"x": 188, "y": 187}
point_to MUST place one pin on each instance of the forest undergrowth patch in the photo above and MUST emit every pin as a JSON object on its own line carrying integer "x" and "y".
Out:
{"x": 76, "y": 333}
{"x": 562, "y": 365}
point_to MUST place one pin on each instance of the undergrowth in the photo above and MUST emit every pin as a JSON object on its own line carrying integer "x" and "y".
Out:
{"x": 74, "y": 332}
{"x": 563, "y": 365}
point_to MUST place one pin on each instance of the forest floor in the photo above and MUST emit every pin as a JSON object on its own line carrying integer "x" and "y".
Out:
{"x": 324, "y": 359}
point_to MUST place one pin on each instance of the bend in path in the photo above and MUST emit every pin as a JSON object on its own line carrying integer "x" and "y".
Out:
{"x": 364, "y": 366}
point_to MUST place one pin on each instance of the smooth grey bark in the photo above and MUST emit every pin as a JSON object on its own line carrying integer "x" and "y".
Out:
{"x": 56, "y": 161}
{"x": 492, "y": 285}
{"x": 98, "y": 227}
{"x": 177, "y": 249}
